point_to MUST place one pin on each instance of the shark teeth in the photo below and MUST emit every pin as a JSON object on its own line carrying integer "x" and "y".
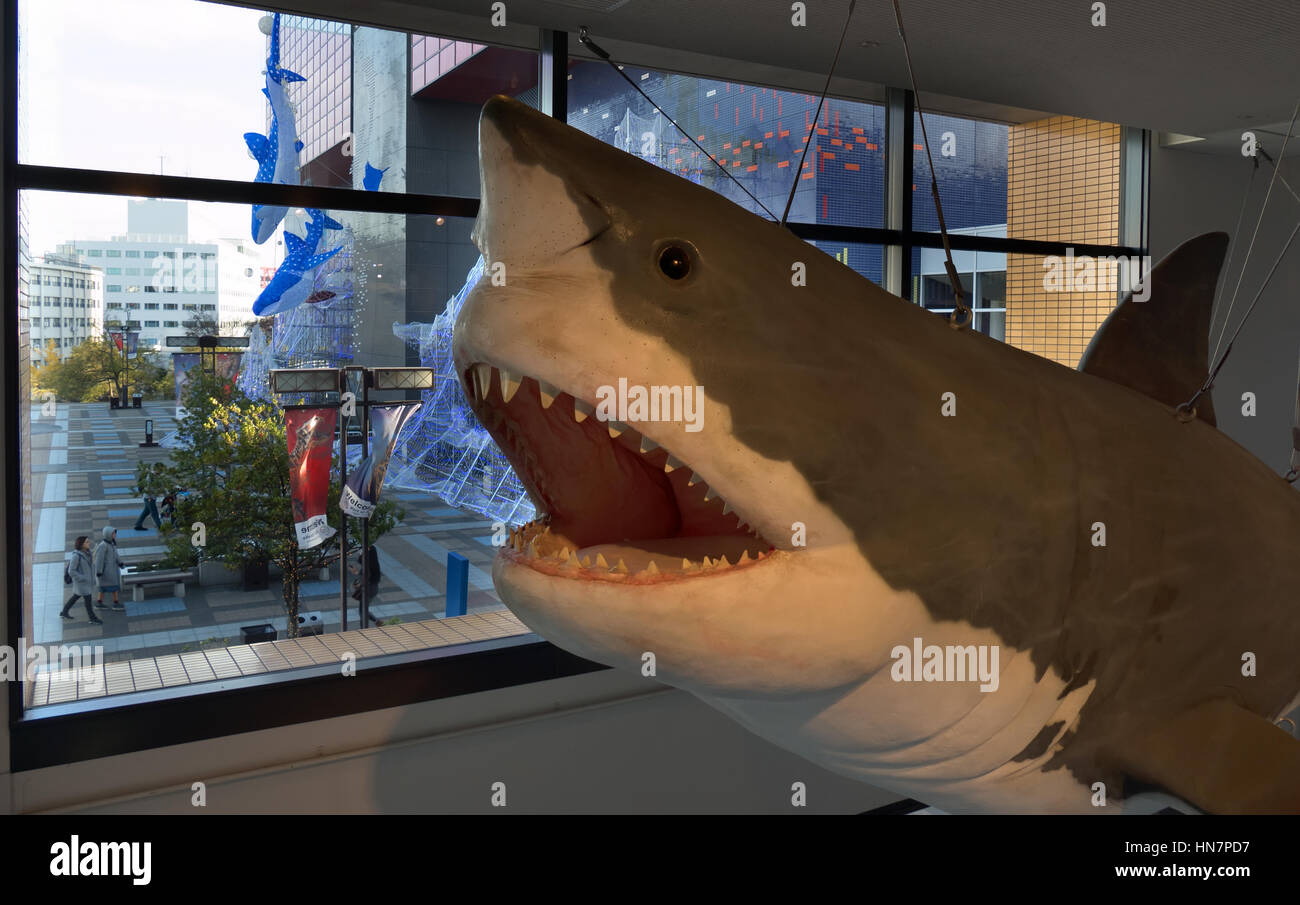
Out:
{"x": 495, "y": 392}
{"x": 534, "y": 544}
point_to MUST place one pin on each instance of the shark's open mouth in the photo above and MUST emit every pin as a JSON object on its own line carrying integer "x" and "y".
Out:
{"x": 619, "y": 506}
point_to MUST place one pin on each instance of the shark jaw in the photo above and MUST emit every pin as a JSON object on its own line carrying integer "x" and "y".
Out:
{"x": 620, "y": 507}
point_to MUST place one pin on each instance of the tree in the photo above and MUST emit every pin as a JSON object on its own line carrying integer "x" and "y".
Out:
{"x": 233, "y": 463}
{"x": 91, "y": 370}
{"x": 95, "y": 368}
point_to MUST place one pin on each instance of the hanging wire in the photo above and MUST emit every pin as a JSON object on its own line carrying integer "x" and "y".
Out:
{"x": 1187, "y": 410}
{"x": 961, "y": 313}
{"x": 1232, "y": 250}
{"x": 808, "y": 140}
{"x": 585, "y": 39}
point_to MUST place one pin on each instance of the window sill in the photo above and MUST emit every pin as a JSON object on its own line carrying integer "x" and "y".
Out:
{"x": 141, "y": 710}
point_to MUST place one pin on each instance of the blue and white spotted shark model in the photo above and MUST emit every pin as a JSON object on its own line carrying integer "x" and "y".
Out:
{"x": 293, "y": 281}
{"x": 277, "y": 153}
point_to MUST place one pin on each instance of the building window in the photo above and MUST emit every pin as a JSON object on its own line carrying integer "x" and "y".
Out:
{"x": 171, "y": 323}
{"x": 113, "y": 287}
{"x": 95, "y": 253}
{"x": 112, "y": 253}
{"x": 151, "y": 323}
{"x": 169, "y": 306}
{"x": 151, "y": 306}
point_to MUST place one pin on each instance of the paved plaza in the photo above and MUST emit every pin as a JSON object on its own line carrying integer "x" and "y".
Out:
{"x": 83, "y": 464}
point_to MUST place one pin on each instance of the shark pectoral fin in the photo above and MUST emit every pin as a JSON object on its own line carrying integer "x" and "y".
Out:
{"x": 1156, "y": 341}
{"x": 293, "y": 243}
{"x": 298, "y": 146}
{"x": 318, "y": 260}
{"x": 257, "y": 144}
{"x": 1221, "y": 758}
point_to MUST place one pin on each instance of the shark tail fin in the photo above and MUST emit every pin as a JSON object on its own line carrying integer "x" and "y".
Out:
{"x": 1221, "y": 758}
{"x": 258, "y": 144}
{"x": 1156, "y": 341}
{"x": 317, "y": 260}
{"x": 286, "y": 76}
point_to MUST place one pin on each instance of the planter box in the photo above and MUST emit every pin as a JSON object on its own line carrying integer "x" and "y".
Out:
{"x": 218, "y": 573}
{"x": 252, "y": 634}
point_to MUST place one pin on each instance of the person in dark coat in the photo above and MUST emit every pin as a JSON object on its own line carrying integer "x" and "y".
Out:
{"x": 82, "y": 572}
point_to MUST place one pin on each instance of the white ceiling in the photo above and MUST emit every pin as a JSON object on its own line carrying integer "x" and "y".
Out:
{"x": 1189, "y": 66}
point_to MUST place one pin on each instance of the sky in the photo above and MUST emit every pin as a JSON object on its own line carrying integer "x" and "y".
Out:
{"x": 141, "y": 86}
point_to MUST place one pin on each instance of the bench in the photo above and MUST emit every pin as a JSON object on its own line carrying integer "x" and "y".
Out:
{"x": 138, "y": 581}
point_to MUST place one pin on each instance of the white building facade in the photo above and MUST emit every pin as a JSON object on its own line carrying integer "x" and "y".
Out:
{"x": 65, "y": 306}
{"x": 156, "y": 277}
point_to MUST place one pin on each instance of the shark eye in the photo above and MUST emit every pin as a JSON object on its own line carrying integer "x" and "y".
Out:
{"x": 675, "y": 262}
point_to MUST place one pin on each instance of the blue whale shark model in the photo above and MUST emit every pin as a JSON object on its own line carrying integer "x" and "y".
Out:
{"x": 373, "y": 177}
{"x": 1050, "y": 600}
{"x": 293, "y": 281}
{"x": 276, "y": 153}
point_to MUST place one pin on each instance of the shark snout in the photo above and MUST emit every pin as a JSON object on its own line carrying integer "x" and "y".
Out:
{"x": 534, "y": 207}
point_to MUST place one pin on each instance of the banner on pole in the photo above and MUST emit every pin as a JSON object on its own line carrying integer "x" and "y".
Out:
{"x": 182, "y": 362}
{"x": 361, "y": 494}
{"x": 311, "y": 446}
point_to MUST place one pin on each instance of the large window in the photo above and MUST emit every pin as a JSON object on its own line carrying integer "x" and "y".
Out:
{"x": 200, "y": 614}
{"x": 387, "y": 121}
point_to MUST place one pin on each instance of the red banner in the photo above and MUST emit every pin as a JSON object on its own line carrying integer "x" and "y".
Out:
{"x": 311, "y": 446}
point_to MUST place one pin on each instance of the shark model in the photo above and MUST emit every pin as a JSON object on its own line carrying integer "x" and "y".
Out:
{"x": 277, "y": 153}
{"x": 836, "y": 509}
{"x": 294, "y": 280}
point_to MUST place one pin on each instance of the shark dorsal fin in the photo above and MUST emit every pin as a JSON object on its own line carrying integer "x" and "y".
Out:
{"x": 294, "y": 243}
{"x": 257, "y": 144}
{"x": 1160, "y": 347}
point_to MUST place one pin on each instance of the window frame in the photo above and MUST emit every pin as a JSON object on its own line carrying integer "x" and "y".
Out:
{"x": 83, "y": 730}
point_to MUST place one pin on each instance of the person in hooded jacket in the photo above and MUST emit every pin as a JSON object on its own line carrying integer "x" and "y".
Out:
{"x": 108, "y": 569}
{"x": 82, "y": 572}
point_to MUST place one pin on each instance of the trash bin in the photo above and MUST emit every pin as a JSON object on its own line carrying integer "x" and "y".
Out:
{"x": 252, "y": 634}
{"x": 310, "y": 624}
{"x": 137, "y": 400}
{"x": 114, "y": 403}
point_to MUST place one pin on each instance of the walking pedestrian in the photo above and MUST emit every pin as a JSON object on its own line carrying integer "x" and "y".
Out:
{"x": 146, "y": 490}
{"x": 81, "y": 571}
{"x": 108, "y": 569}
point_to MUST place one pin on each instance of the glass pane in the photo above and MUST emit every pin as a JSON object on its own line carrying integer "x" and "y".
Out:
{"x": 201, "y": 102}
{"x": 375, "y": 301}
{"x": 1055, "y": 179}
{"x": 868, "y": 260}
{"x": 754, "y": 135}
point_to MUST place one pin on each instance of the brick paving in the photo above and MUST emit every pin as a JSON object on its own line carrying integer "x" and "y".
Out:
{"x": 83, "y": 472}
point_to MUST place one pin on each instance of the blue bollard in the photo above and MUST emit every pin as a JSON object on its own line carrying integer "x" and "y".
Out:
{"x": 457, "y": 584}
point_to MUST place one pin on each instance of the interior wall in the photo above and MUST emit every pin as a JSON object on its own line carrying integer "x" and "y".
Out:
{"x": 604, "y": 742}
{"x": 1194, "y": 193}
